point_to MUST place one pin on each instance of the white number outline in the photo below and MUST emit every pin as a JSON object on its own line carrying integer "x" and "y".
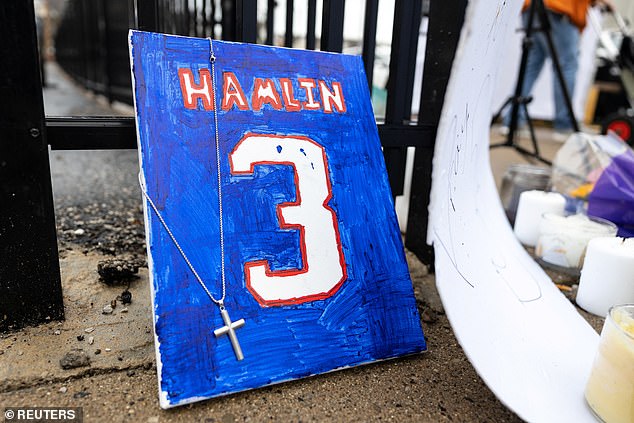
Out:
{"x": 249, "y": 267}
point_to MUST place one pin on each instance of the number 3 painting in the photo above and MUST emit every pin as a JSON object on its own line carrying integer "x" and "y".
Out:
{"x": 273, "y": 246}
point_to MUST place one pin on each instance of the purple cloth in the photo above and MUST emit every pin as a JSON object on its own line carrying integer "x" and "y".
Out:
{"x": 613, "y": 195}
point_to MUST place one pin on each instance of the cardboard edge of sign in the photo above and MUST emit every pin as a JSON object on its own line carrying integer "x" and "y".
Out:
{"x": 164, "y": 401}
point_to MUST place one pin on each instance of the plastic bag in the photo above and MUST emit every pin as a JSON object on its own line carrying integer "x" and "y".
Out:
{"x": 598, "y": 169}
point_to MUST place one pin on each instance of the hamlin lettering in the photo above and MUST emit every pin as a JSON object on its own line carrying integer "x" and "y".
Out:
{"x": 284, "y": 94}
{"x": 193, "y": 91}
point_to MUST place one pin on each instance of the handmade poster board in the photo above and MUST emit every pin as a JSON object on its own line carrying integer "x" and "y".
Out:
{"x": 313, "y": 257}
{"x": 525, "y": 339}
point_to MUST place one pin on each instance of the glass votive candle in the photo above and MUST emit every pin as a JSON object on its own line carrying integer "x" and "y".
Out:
{"x": 563, "y": 240}
{"x": 610, "y": 388}
{"x": 517, "y": 179}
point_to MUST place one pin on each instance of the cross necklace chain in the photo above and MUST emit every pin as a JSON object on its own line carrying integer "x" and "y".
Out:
{"x": 229, "y": 327}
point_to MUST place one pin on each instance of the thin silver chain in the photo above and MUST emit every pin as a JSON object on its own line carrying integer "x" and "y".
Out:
{"x": 220, "y": 301}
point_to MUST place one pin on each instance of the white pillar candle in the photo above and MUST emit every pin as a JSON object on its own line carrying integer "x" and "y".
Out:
{"x": 610, "y": 388}
{"x": 563, "y": 239}
{"x": 607, "y": 276}
{"x": 530, "y": 208}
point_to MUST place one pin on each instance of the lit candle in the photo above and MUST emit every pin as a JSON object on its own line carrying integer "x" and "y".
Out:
{"x": 607, "y": 276}
{"x": 531, "y": 207}
{"x": 610, "y": 388}
{"x": 563, "y": 239}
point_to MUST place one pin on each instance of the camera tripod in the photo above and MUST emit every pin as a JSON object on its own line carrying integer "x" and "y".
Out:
{"x": 537, "y": 10}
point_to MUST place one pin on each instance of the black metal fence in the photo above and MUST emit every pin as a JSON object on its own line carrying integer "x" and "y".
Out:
{"x": 92, "y": 46}
{"x": 91, "y": 40}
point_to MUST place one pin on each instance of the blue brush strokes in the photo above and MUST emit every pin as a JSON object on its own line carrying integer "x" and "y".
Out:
{"x": 373, "y": 315}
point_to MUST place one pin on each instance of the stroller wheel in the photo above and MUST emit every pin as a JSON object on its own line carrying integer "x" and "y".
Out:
{"x": 622, "y": 125}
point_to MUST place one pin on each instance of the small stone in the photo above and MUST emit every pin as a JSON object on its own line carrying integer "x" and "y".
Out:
{"x": 108, "y": 349}
{"x": 57, "y": 332}
{"x": 130, "y": 373}
{"x": 228, "y": 418}
{"x": 63, "y": 389}
{"x": 124, "y": 310}
{"x": 80, "y": 337}
{"x": 97, "y": 351}
{"x": 91, "y": 340}
{"x": 116, "y": 271}
{"x": 429, "y": 316}
{"x": 113, "y": 304}
{"x": 107, "y": 309}
{"x": 75, "y": 358}
{"x": 20, "y": 352}
{"x": 89, "y": 330}
{"x": 126, "y": 297}
{"x": 79, "y": 231}
{"x": 1, "y": 352}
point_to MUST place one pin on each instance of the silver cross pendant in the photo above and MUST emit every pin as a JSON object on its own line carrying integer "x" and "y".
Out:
{"x": 229, "y": 328}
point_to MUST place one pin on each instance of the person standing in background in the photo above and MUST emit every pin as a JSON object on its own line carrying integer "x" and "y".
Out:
{"x": 567, "y": 21}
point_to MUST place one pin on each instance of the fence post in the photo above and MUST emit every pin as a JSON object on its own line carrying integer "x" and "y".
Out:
{"x": 147, "y": 15}
{"x": 30, "y": 284}
{"x": 400, "y": 83}
{"x": 443, "y": 33}
{"x": 332, "y": 26}
{"x": 246, "y": 21}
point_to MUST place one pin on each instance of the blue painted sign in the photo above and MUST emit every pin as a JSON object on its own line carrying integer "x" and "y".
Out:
{"x": 313, "y": 263}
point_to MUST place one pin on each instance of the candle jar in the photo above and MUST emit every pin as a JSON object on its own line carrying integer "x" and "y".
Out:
{"x": 531, "y": 207}
{"x": 563, "y": 240}
{"x": 517, "y": 179}
{"x": 610, "y": 388}
{"x": 607, "y": 276}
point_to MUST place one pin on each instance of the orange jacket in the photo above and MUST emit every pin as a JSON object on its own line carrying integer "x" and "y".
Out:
{"x": 575, "y": 9}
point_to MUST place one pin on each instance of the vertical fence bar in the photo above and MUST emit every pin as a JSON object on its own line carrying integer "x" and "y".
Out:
{"x": 84, "y": 46}
{"x": 270, "y": 20}
{"x": 399, "y": 95}
{"x": 332, "y": 25}
{"x": 229, "y": 19}
{"x": 195, "y": 19}
{"x": 30, "y": 284}
{"x": 369, "y": 38}
{"x": 147, "y": 15}
{"x": 246, "y": 21}
{"x": 288, "y": 36}
{"x": 186, "y": 28}
{"x": 204, "y": 21}
{"x": 212, "y": 19}
{"x": 104, "y": 52}
{"x": 169, "y": 20}
{"x": 310, "y": 24}
{"x": 443, "y": 33}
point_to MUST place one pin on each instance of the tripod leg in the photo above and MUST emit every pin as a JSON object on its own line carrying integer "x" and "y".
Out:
{"x": 498, "y": 114}
{"x": 565, "y": 92}
{"x": 531, "y": 128}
